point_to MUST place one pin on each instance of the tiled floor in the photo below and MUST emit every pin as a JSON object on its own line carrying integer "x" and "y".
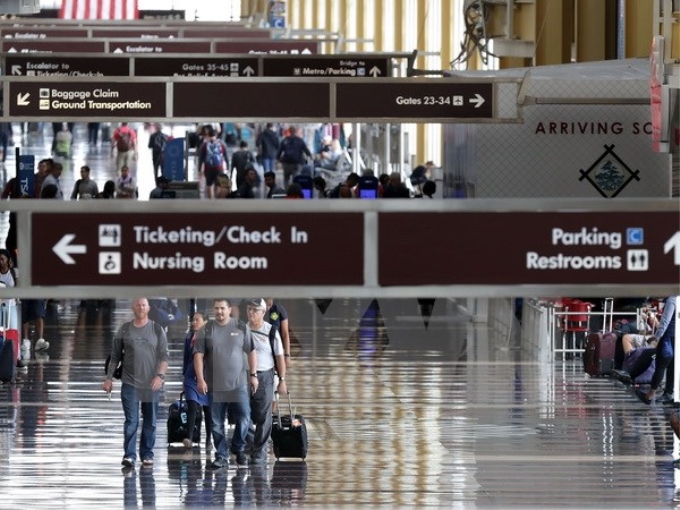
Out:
{"x": 452, "y": 416}
{"x": 39, "y": 143}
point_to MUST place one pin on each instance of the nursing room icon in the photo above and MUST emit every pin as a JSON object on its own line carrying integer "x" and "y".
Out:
{"x": 109, "y": 262}
{"x": 110, "y": 237}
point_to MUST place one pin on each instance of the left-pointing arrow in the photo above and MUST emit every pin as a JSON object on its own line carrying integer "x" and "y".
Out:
{"x": 22, "y": 99}
{"x": 64, "y": 248}
{"x": 16, "y": 70}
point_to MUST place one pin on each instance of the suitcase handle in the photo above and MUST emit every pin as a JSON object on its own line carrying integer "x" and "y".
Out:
{"x": 278, "y": 409}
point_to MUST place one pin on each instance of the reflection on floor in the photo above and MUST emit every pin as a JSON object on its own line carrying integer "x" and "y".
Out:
{"x": 37, "y": 140}
{"x": 400, "y": 414}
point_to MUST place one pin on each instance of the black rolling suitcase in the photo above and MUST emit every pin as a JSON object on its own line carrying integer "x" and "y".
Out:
{"x": 289, "y": 434}
{"x": 8, "y": 360}
{"x": 177, "y": 422}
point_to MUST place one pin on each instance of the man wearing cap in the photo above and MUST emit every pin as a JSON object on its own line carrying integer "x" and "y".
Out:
{"x": 269, "y": 357}
{"x": 222, "y": 347}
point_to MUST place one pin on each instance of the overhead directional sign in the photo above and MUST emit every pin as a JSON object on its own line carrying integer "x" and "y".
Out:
{"x": 199, "y": 66}
{"x": 41, "y": 32}
{"x": 153, "y": 45}
{"x": 171, "y": 99}
{"x": 436, "y": 99}
{"x": 36, "y": 65}
{"x": 87, "y": 99}
{"x": 142, "y": 63}
{"x": 196, "y": 249}
{"x": 272, "y": 47}
{"x": 513, "y": 248}
{"x": 344, "y": 66}
{"x": 265, "y": 100}
{"x": 158, "y": 46}
{"x": 52, "y": 46}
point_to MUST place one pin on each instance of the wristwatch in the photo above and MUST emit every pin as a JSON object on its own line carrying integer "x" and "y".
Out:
{"x": 253, "y": 375}
{"x": 162, "y": 376}
{"x": 282, "y": 378}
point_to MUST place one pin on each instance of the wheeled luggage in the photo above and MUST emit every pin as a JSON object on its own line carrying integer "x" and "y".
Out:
{"x": 289, "y": 434}
{"x": 178, "y": 422}
{"x": 598, "y": 359}
{"x": 8, "y": 362}
{"x": 9, "y": 347}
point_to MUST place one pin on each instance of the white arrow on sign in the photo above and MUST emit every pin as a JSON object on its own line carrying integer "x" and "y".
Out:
{"x": 375, "y": 71}
{"x": 477, "y": 100}
{"x": 249, "y": 71}
{"x": 16, "y": 70}
{"x": 12, "y": 50}
{"x": 22, "y": 99}
{"x": 117, "y": 50}
{"x": 673, "y": 244}
{"x": 64, "y": 248}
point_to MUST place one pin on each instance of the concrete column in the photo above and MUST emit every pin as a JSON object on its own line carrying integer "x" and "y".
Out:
{"x": 591, "y": 32}
{"x": 554, "y": 25}
{"x": 639, "y": 23}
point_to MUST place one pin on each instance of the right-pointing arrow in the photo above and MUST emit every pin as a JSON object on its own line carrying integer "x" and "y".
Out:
{"x": 64, "y": 248}
{"x": 673, "y": 244}
{"x": 22, "y": 99}
{"x": 477, "y": 100}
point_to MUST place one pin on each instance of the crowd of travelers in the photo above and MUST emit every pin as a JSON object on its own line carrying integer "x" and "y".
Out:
{"x": 231, "y": 370}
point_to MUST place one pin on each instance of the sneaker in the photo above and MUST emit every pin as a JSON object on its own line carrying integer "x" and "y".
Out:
{"x": 42, "y": 345}
{"x": 147, "y": 462}
{"x": 241, "y": 459}
{"x": 22, "y": 364}
{"x": 26, "y": 345}
{"x": 128, "y": 462}
{"x": 219, "y": 463}
{"x": 258, "y": 457}
{"x": 641, "y": 395}
{"x": 666, "y": 398}
{"x": 187, "y": 442}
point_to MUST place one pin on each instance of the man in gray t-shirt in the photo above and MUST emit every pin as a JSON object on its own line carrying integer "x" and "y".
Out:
{"x": 142, "y": 346}
{"x": 222, "y": 347}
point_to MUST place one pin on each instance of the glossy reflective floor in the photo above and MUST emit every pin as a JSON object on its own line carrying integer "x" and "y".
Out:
{"x": 399, "y": 415}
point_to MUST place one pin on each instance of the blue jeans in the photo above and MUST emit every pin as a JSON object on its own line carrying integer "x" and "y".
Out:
{"x": 239, "y": 409}
{"x": 131, "y": 398}
{"x": 268, "y": 164}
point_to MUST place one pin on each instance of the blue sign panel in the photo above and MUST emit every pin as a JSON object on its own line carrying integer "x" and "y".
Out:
{"x": 173, "y": 160}
{"x": 27, "y": 175}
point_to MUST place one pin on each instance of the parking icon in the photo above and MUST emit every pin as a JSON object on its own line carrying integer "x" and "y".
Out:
{"x": 635, "y": 236}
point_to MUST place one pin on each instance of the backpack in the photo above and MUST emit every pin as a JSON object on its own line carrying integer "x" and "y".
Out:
{"x": 213, "y": 154}
{"x": 118, "y": 372}
{"x": 124, "y": 142}
{"x": 290, "y": 151}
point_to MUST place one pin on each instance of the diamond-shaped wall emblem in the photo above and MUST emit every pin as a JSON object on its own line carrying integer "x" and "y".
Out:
{"x": 609, "y": 175}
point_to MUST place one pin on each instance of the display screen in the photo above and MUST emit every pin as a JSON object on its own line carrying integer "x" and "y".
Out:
{"x": 368, "y": 193}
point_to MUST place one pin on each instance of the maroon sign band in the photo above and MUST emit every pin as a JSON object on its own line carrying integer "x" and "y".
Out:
{"x": 197, "y": 249}
{"x": 514, "y": 248}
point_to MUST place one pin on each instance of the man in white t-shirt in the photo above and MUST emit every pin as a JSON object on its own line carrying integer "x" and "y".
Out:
{"x": 270, "y": 355}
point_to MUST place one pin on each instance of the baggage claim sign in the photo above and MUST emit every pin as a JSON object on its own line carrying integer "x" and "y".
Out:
{"x": 196, "y": 249}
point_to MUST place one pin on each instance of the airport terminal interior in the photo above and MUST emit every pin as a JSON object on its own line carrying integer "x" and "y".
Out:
{"x": 479, "y": 402}
{"x": 407, "y": 404}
